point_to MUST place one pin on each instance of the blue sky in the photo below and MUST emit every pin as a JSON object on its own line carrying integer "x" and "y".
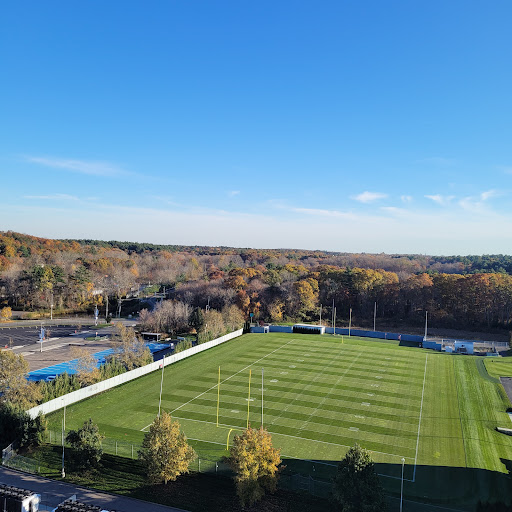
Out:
{"x": 375, "y": 126}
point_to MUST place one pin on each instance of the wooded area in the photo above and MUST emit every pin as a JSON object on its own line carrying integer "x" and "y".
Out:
{"x": 273, "y": 285}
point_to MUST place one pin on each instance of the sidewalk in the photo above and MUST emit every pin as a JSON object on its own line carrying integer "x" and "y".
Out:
{"x": 54, "y": 492}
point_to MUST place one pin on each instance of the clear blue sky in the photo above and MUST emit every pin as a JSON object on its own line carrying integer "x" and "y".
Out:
{"x": 375, "y": 126}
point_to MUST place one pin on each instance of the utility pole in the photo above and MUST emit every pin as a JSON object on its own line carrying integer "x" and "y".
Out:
{"x": 402, "y": 486}
{"x": 63, "y": 472}
{"x": 161, "y": 386}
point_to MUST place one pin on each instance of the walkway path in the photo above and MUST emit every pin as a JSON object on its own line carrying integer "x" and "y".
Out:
{"x": 54, "y": 492}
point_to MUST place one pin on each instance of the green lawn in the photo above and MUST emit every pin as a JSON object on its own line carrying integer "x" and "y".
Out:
{"x": 499, "y": 366}
{"x": 437, "y": 411}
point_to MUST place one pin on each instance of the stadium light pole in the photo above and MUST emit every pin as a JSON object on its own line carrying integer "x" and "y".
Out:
{"x": 161, "y": 386}
{"x": 402, "y": 486}
{"x": 426, "y": 320}
{"x": 262, "y": 382}
{"x": 63, "y": 471}
{"x": 374, "y": 315}
{"x": 350, "y": 321}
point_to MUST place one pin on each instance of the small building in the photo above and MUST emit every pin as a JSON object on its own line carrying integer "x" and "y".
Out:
{"x": 464, "y": 347}
{"x": 151, "y": 336}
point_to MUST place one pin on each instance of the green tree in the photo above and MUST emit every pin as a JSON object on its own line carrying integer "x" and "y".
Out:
{"x": 16, "y": 424}
{"x": 86, "y": 442}
{"x": 165, "y": 452}
{"x": 196, "y": 319}
{"x": 256, "y": 464}
{"x": 357, "y": 487}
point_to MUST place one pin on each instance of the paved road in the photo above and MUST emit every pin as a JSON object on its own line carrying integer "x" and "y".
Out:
{"x": 53, "y": 493}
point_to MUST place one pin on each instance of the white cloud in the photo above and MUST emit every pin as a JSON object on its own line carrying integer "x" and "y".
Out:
{"x": 233, "y": 193}
{"x": 93, "y": 168}
{"x": 484, "y": 196}
{"x": 323, "y": 213}
{"x": 406, "y": 199}
{"x": 453, "y": 231}
{"x": 54, "y": 197}
{"x": 394, "y": 210}
{"x": 441, "y": 200}
{"x": 368, "y": 197}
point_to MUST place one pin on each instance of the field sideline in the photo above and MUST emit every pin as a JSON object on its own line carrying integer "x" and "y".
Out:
{"x": 321, "y": 395}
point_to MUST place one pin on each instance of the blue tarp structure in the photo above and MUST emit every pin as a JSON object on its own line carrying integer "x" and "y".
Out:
{"x": 69, "y": 367}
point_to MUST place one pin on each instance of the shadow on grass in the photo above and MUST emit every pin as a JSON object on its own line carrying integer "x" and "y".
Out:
{"x": 434, "y": 486}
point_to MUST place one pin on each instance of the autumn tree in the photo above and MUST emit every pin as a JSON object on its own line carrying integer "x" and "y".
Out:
{"x": 5, "y": 314}
{"x": 213, "y": 326}
{"x": 357, "y": 487}
{"x": 255, "y": 462}
{"x": 165, "y": 452}
{"x": 85, "y": 365}
{"x": 15, "y": 389}
{"x": 129, "y": 349}
{"x": 233, "y": 318}
{"x": 86, "y": 443}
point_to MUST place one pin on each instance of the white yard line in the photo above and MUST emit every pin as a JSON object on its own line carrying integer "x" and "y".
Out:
{"x": 419, "y": 422}
{"x": 241, "y": 429}
{"x": 222, "y": 382}
{"x": 318, "y": 375}
{"x": 325, "y": 396}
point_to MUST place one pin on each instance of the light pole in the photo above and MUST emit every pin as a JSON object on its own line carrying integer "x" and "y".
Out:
{"x": 426, "y": 320}
{"x": 63, "y": 472}
{"x": 374, "y": 315}
{"x": 402, "y": 486}
{"x": 161, "y": 386}
{"x": 350, "y": 321}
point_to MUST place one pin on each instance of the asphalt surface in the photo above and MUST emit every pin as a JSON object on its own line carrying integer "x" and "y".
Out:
{"x": 53, "y": 493}
{"x": 507, "y": 384}
{"x": 22, "y": 336}
{"x": 59, "y": 343}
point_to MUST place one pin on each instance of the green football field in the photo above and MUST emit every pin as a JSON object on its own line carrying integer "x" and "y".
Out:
{"x": 322, "y": 394}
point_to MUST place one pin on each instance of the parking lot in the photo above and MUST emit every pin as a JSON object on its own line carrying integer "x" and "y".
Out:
{"x": 17, "y": 337}
{"x": 58, "y": 345}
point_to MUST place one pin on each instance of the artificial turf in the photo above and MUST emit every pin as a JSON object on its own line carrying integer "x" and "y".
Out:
{"x": 321, "y": 395}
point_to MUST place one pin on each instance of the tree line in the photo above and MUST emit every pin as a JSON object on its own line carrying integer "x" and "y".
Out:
{"x": 271, "y": 285}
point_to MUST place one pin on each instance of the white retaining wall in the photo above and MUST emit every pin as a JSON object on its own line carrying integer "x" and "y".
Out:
{"x": 99, "y": 387}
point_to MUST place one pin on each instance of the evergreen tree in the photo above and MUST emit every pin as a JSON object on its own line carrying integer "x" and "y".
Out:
{"x": 87, "y": 445}
{"x": 356, "y": 485}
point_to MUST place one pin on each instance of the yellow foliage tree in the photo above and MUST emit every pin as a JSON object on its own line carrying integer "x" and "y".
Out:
{"x": 15, "y": 389}
{"x": 256, "y": 464}
{"x": 5, "y": 314}
{"x": 165, "y": 452}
